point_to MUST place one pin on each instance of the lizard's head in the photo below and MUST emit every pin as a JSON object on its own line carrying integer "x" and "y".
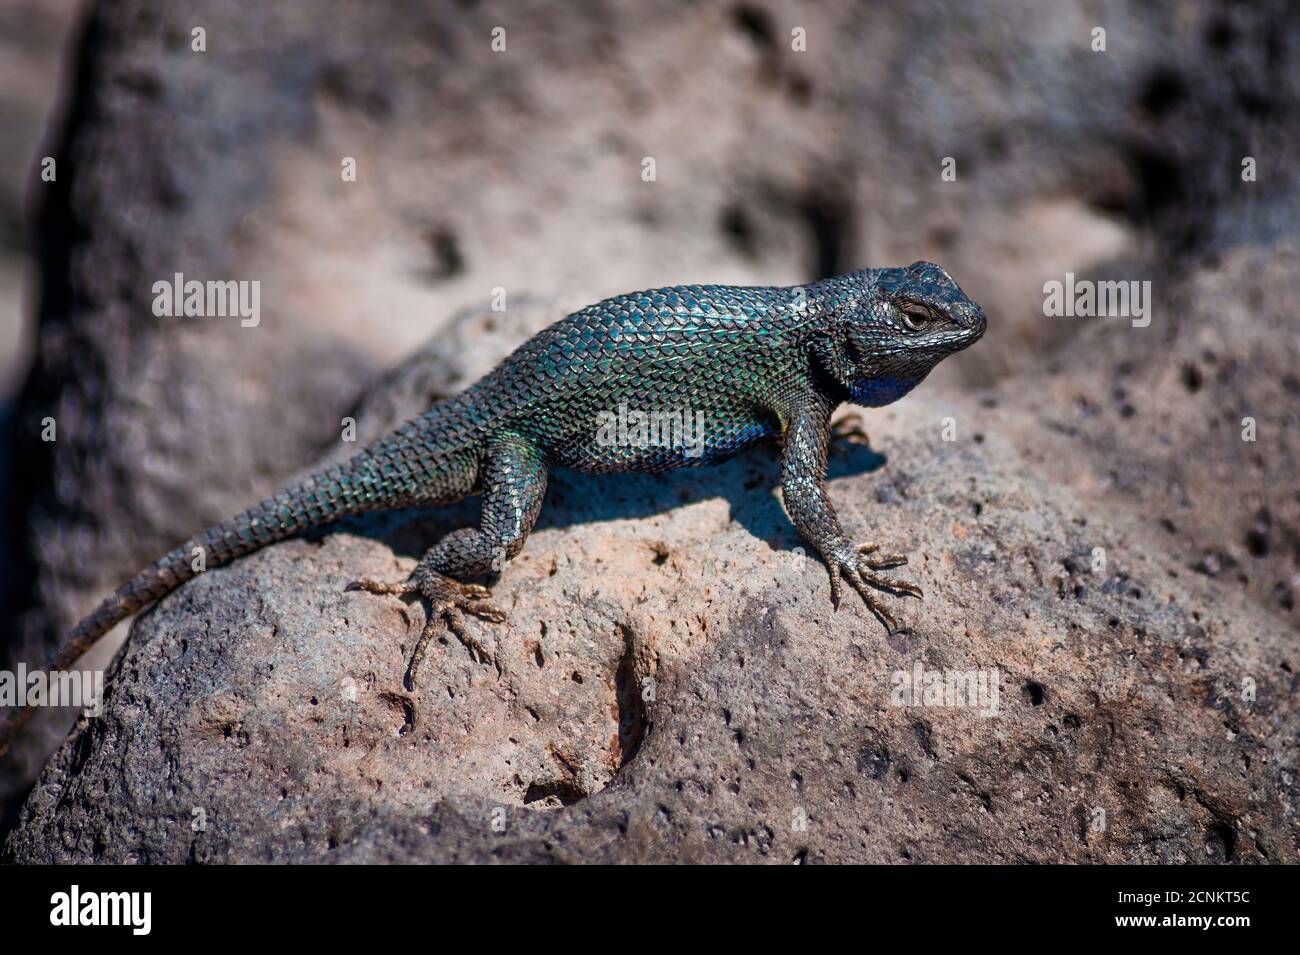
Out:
{"x": 893, "y": 326}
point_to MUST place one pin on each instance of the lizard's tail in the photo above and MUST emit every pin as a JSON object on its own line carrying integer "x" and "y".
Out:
{"x": 336, "y": 492}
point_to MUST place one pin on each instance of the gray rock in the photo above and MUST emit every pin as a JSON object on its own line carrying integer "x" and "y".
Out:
{"x": 673, "y": 685}
{"x": 477, "y": 172}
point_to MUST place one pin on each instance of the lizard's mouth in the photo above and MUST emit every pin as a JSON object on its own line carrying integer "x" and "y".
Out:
{"x": 971, "y": 326}
{"x": 955, "y": 339}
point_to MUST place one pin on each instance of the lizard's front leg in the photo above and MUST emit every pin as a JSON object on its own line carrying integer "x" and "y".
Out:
{"x": 803, "y": 487}
{"x": 514, "y": 483}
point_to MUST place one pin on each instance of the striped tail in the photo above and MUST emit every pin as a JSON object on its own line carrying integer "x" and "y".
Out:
{"x": 336, "y": 492}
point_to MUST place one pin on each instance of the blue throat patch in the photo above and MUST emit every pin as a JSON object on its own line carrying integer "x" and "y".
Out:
{"x": 876, "y": 392}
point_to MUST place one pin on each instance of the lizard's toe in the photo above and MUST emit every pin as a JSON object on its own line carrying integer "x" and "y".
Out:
{"x": 837, "y": 587}
{"x": 456, "y": 624}
{"x": 379, "y": 587}
{"x": 870, "y": 599}
{"x": 887, "y": 583}
{"x": 483, "y": 610}
{"x": 880, "y": 561}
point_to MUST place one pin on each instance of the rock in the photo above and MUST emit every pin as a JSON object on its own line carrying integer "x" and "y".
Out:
{"x": 673, "y": 684}
{"x": 477, "y": 174}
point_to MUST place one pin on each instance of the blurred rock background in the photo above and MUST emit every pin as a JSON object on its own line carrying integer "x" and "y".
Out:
{"x": 35, "y": 38}
{"x": 522, "y": 170}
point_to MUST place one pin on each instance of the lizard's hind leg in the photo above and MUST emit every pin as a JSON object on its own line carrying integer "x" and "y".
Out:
{"x": 514, "y": 482}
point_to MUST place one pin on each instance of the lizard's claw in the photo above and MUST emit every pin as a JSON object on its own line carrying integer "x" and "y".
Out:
{"x": 858, "y": 569}
{"x": 449, "y": 601}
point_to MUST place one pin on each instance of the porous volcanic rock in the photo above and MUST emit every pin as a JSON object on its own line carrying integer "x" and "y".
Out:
{"x": 673, "y": 683}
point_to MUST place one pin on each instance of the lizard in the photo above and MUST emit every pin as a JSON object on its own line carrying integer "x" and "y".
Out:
{"x": 758, "y": 362}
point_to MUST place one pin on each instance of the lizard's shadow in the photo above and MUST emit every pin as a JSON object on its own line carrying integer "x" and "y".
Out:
{"x": 748, "y": 483}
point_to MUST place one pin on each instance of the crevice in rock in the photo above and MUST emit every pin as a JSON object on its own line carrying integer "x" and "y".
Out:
{"x": 828, "y": 214}
{"x": 633, "y": 717}
{"x": 564, "y": 790}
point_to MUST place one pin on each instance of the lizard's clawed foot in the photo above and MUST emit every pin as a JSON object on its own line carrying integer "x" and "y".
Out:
{"x": 449, "y": 601}
{"x": 848, "y": 430}
{"x": 859, "y": 567}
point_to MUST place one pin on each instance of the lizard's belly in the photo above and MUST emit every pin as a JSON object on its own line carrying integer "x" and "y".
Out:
{"x": 628, "y": 441}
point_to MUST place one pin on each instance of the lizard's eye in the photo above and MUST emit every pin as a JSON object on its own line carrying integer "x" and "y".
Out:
{"x": 916, "y": 317}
